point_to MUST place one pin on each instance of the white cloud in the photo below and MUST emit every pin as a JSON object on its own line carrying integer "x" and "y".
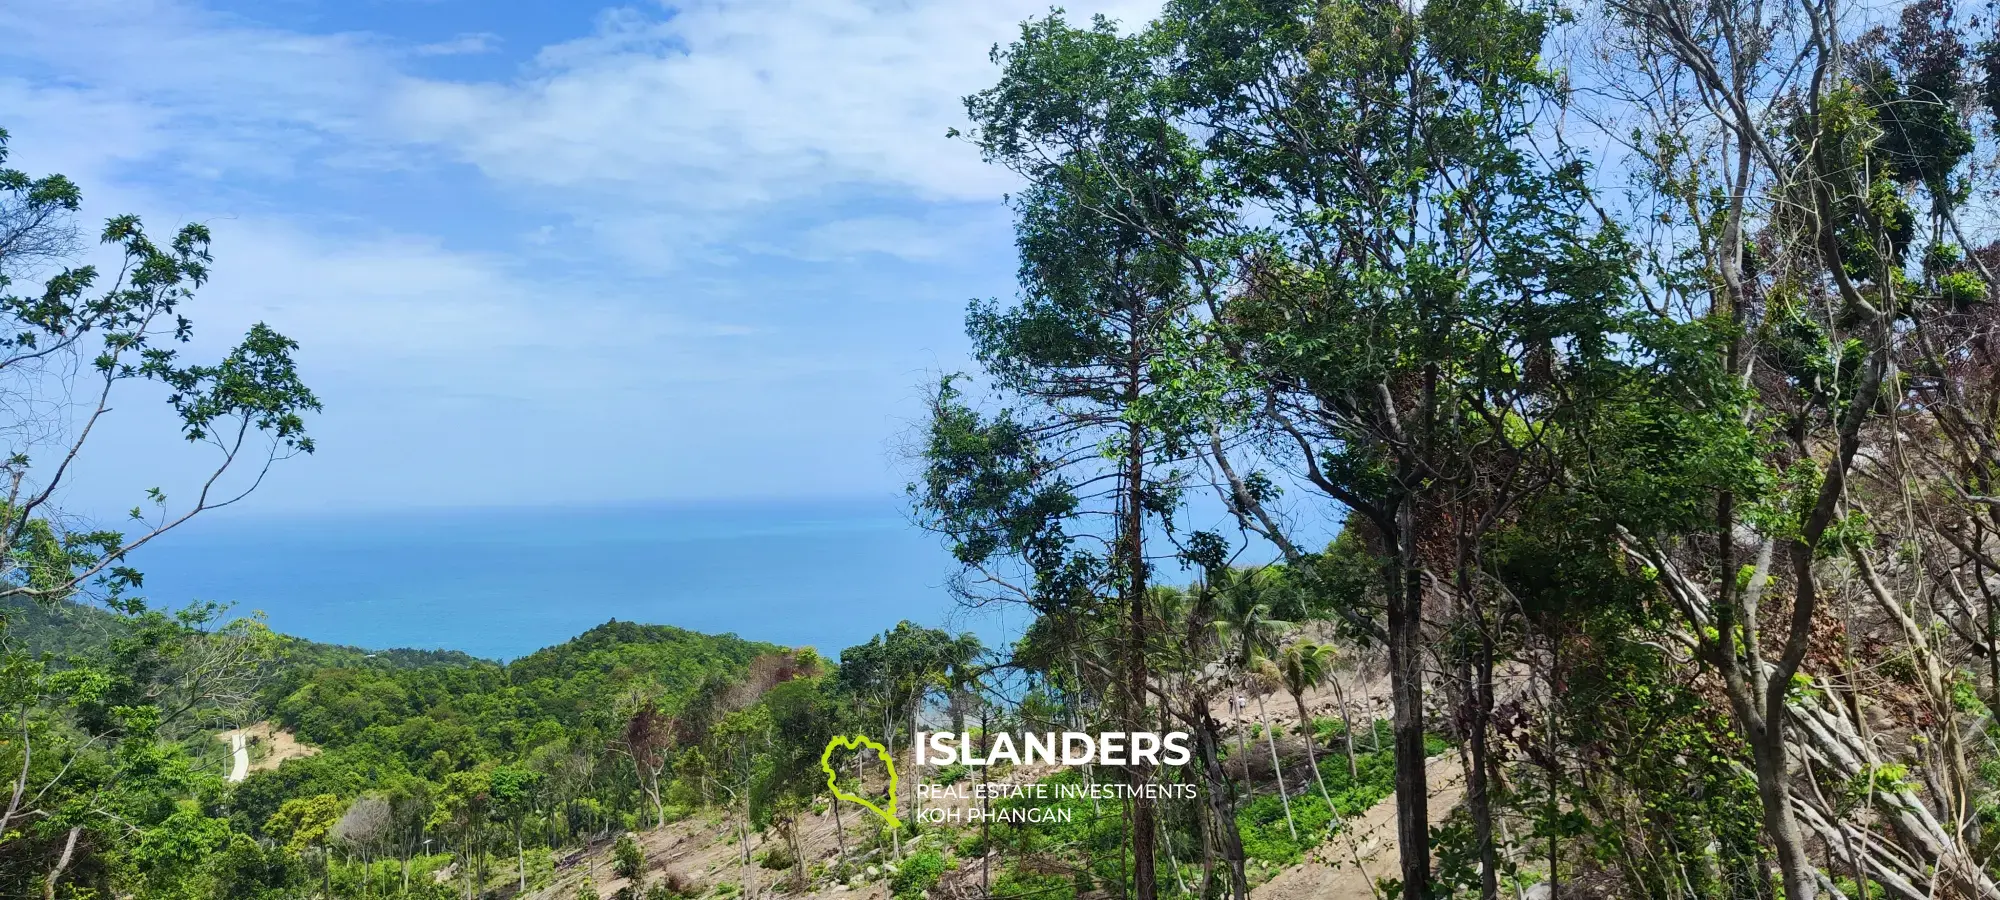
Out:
{"x": 728, "y": 102}
{"x": 729, "y": 110}
{"x": 786, "y": 158}
{"x": 916, "y": 239}
{"x": 462, "y": 45}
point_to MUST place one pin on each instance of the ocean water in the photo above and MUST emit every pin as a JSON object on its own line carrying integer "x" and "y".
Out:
{"x": 501, "y": 583}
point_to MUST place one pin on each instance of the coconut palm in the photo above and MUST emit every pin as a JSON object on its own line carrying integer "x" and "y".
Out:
{"x": 1304, "y": 666}
{"x": 1265, "y": 679}
{"x": 1249, "y": 631}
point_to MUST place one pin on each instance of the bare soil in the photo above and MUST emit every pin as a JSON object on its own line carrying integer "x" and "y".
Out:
{"x": 269, "y": 745}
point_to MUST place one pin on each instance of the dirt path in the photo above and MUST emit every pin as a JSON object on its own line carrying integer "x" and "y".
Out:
{"x": 1331, "y": 873}
{"x": 241, "y": 747}
{"x": 262, "y": 746}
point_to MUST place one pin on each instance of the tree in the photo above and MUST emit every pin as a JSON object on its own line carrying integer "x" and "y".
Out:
{"x": 1304, "y": 665}
{"x": 305, "y": 824}
{"x": 1416, "y": 267}
{"x": 363, "y": 828}
{"x": 249, "y": 407}
{"x": 898, "y": 669}
{"x": 513, "y": 798}
{"x": 627, "y": 859}
{"x": 1801, "y": 214}
{"x": 1088, "y": 458}
{"x": 464, "y": 804}
{"x": 648, "y": 740}
{"x": 71, "y": 347}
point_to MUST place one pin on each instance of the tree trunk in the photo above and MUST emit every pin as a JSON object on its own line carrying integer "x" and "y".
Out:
{"x": 1477, "y": 675}
{"x": 839, "y": 843}
{"x": 1312, "y": 761}
{"x": 1347, "y": 722}
{"x": 1406, "y": 687}
{"x": 1221, "y": 805}
{"x": 1277, "y": 768}
{"x": 1236, "y": 707}
{"x": 1773, "y": 776}
{"x": 62, "y": 864}
{"x": 1144, "y": 885}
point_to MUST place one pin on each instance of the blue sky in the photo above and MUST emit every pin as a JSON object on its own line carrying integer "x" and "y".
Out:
{"x": 545, "y": 253}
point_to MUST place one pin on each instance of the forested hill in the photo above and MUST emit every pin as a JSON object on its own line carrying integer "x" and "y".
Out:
{"x": 68, "y": 628}
{"x": 457, "y": 711}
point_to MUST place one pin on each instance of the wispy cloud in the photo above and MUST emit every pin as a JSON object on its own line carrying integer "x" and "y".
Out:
{"x": 462, "y": 45}
{"x": 663, "y": 234}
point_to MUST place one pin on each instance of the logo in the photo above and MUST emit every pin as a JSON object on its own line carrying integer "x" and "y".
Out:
{"x": 833, "y": 780}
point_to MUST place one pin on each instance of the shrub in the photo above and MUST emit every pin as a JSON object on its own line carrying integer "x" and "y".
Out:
{"x": 778, "y": 858}
{"x": 673, "y": 886}
{"x": 919, "y": 873}
{"x": 587, "y": 890}
{"x": 1014, "y": 884}
{"x": 627, "y": 859}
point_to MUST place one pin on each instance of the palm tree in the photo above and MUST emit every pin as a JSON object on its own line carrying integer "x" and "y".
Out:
{"x": 1304, "y": 666}
{"x": 1265, "y": 681}
{"x": 1250, "y": 630}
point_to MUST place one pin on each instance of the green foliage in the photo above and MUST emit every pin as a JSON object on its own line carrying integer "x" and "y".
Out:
{"x": 627, "y": 859}
{"x": 1019, "y": 884}
{"x": 304, "y": 822}
{"x": 918, "y": 873}
{"x": 777, "y": 858}
{"x": 1262, "y": 823}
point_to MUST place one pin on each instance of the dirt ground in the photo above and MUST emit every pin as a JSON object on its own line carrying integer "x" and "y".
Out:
{"x": 701, "y": 850}
{"x": 269, "y": 745}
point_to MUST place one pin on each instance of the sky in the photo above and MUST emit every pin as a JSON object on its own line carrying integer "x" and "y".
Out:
{"x": 545, "y": 253}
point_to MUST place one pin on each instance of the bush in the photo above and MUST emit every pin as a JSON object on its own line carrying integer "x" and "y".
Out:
{"x": 587, "y": 890}
{"x": 1014, "y": 884}
{"x": 541, "y": 867}
{"x": 1267, "y": 837}
{"x": 627, "y": 859}
{"x": 673, "y": 886}
{"x": 919, "y": 873}
{"x": 778, "y": 858}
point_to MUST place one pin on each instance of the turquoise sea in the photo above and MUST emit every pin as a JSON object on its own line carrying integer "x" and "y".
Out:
{"x": 503, "y": 582}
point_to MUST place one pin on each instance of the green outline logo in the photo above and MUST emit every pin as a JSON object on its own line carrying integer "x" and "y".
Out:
{"x": 855, "y": 743}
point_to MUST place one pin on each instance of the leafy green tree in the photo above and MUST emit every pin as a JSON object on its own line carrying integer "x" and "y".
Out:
{"x": 96, "y": 773}
{"x": 303, "y": 823}
{"x": 464, "y": 804}
{"x": 627, "y": 859}
{"x": 513, "y": 798}
{"x": 248, "y": 870}
{"x": 1070, "y": 482}
{"x": 249, "y": 407}
{"x": 1395, "y": 300}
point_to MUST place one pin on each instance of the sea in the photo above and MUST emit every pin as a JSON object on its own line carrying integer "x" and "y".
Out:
{"x": 503, "y": 582}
